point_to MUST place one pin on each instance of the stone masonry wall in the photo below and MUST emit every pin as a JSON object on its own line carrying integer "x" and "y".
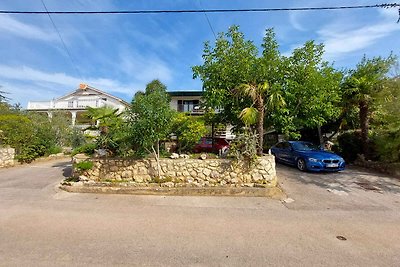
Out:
{"x": 183, "y": 172}
{"x": 7, "y": 157}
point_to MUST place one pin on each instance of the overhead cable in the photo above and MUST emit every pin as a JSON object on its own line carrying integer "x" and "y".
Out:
{"x": 62, "y": 41}
{"x": 393, "y": 5}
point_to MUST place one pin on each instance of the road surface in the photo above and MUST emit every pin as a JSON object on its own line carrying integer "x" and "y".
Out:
{"x": 43, "y": 226}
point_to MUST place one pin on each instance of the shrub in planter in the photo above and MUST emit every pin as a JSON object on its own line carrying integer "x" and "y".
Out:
{"x": 87, "y": 149}
{"x": 84, "y": 165}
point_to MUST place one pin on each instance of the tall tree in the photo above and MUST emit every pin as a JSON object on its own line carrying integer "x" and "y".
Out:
{"x": 361, "y": 84}
{"x": 293, "y": 92}
{"x": 385, "y": 120}
{"x": 227, "y": 64}
{"x": 238, "y": 80}
{"x": 311, "y": 90}
{"x": 151, "y": 118}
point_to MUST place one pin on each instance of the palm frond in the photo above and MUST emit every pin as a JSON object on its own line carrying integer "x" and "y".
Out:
{"x": 249, "y": 116}
{"x": 247, "y": 89}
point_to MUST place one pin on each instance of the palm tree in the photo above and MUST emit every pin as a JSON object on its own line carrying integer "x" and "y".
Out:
{"x": 361, "y": 86}
{"x": 264, "y": 98}
{"x": 102, "y": 117}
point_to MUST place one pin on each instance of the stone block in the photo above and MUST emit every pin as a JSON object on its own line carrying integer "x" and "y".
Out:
{"x": 207, "y": 172}
{"x": 126, "y": 174}
{"x": 256, "y": 177}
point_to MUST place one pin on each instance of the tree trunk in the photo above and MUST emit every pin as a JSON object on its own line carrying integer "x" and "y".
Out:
{"x": 260, "y": 125}
{"x": 156, "y": 152}
{"x": 321, "y": 139}
{"x": 364, "y": 124}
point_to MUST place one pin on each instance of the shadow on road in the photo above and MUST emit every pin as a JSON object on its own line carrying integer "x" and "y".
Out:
{"x": 66, "y": 168}
{"x": 351, "y": 178}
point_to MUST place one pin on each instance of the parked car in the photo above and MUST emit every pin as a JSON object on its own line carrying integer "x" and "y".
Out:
{"x": 221, "y": 146}
{"x": 307, "y": 156}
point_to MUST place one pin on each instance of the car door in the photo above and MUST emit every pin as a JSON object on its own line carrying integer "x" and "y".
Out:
{"x": 276, "y": 151}
{"x": 208, "y": 145}
{"x": 286, "y": 152}
{"x": 290, "y": 154}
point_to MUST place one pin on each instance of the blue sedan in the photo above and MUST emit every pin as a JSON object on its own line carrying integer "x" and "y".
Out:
{"x": 307, "y": 156}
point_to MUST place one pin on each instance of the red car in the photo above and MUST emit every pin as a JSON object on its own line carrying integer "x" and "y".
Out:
{"x": 205, "y": 145}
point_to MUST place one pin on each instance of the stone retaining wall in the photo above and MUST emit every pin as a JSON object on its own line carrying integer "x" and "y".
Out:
{"x": 183, "y": 172}
{"x": 7, "y": 157}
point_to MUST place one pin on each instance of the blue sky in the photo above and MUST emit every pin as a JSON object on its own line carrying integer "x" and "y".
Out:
{"x": 120, "y": 54}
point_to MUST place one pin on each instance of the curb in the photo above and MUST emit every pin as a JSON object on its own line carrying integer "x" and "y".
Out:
{"x": 274, "y": 192}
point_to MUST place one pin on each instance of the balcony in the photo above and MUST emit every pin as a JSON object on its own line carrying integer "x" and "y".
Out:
{"x": 191, "y": 108}
{"x": 73, "y": 104}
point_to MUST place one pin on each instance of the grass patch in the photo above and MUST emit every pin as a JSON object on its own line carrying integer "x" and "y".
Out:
{"x": 84, "y": 165}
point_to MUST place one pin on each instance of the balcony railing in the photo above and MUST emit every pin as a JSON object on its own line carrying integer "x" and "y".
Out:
{"x": 74, "y": 104}
{"x": 191, "y": 108}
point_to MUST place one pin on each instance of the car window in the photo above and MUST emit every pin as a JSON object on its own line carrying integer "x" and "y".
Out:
{"x": 208, "y": 141}
{"x": 286, "y": 145}
{"x": 279, "y": 145}
{"x": 305, "y": 146}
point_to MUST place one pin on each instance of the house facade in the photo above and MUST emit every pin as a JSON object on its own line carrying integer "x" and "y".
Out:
{"x": 186, "y": 101}
{"x": 74, "y": 104}
{"x": 190, "y": 102}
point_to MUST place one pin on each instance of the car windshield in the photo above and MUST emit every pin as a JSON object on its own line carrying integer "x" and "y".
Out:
{"x": 304, "y": 146}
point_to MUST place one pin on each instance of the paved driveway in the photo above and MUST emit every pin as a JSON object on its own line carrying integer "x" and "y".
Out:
{"x": 352, "y": 189}
{"x": 42, "y": 226}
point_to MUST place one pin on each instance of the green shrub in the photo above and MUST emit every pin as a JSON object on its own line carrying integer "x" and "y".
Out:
{"x": 387, "y": 145}
{"x": 244, "y": 147}
{"x": 54, "y": 150}
{"x": 76, "y": 138}
{"x": 28, "y": 153}
{"x": 84, "y": 165}
{"x": 350, "y": 145}
{"x": 87, "y": 149}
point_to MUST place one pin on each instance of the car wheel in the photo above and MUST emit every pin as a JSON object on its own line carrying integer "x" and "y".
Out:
{"x": 301, "y": 164}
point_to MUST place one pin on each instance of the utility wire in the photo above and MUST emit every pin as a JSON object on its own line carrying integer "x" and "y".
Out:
{"x": 62, "y": 41}
{"x": 393, "y": 5}
{"x": 208, "y": 21}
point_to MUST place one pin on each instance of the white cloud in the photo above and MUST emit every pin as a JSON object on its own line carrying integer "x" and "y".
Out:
{"x": 339, "y": 42}
{"x": 143, "y": 67}
{"x": 294, "y": 19}
{"x": 25, "y": 83}
{"x": 13, "y": 26}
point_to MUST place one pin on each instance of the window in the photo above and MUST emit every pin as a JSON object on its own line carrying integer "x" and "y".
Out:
{"x": 187, "y": 105}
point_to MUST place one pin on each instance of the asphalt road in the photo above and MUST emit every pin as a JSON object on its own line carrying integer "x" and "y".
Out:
{"x": 42, "y": 226}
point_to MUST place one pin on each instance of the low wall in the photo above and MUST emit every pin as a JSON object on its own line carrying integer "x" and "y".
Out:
{"x": 382, "y": 167}
{"x": 7, "y": 157}
{"x": 183, "y": 172}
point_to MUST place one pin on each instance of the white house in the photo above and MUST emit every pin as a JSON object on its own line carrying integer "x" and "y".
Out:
{"x": 76, "y": 102}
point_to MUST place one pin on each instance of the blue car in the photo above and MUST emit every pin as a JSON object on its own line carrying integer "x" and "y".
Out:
{"x": 307, "y": 156}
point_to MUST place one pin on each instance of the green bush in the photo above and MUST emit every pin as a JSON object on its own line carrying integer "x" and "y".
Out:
{"x": 387, "y": 145}
{"x": 87, "y": 149}
{"x": 350, "y": 145}
{"x": 84, "y": 165}
{"x": 29, "y": 153}
{"x": 244, "y": 147}
{"x": 76, "y": 138}
{"x": 54, "y": 150}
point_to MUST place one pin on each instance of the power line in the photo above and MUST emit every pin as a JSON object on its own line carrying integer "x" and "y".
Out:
{"x": 62, "y": 41}
{"x": 208, "y": 21}
{"x": 393, "y": 5}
